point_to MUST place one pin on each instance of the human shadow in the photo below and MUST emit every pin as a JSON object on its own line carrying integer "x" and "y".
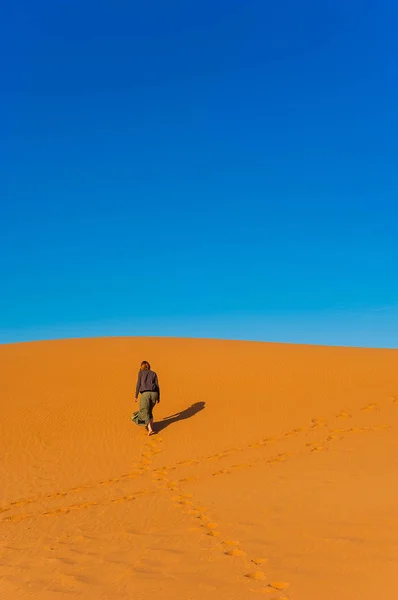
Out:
{"x": 180, "y": 416}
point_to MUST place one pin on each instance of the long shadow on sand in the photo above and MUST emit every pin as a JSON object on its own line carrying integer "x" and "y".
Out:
{"x": 181, "y": 416}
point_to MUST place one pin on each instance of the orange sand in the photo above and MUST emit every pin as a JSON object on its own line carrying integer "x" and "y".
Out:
{"x": 284, "y": 487}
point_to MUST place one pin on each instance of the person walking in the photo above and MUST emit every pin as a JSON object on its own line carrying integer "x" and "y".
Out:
{"x": 148, "y": 387}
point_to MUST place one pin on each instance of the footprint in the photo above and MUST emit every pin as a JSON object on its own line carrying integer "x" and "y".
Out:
{"x": 184, "y": 502}
{"x": 182, "y": 497}
{"x": 279, "y": 585}
{"x": 381, "y": 427}
{"x": 214, "y": 457}
{"x": 59, "y": 511}
{"x": 283, "y": 456}
{"x": 210, "y": 525}
{"x": 20, "y": 503}
{"x": 372, "y": 406}
{"x": 213, "y": 533}
{"x": 260, "y": 561}
{"x": 231, "y": 543}
{"x": 317, "y": 423}
{"x": 256, "y": 575}
{"x": 17, "y": 518}
{"x": 235, "y": 552}
{"x": 273, "y": 460}
{"x": 288, "y": 433}
{"x": 124, "y": 498}
{"x": 343, "y": 415}
{"x": 160, "y": 474}
{"x": 204, "y": 518}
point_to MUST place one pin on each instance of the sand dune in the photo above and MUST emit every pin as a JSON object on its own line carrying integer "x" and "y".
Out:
{"x": 274, "y": 472}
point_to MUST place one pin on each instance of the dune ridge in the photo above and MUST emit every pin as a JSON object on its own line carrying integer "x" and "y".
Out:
{"x": 273, "y": 471}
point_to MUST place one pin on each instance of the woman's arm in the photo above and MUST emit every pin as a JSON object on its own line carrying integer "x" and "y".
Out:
{"x": 157, "y": 385}
{"x": 137, "y": 389}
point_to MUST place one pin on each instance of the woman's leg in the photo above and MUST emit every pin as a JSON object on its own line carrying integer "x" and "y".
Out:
{"x": 144, "y": 414}
{"x": 153, "y": 400}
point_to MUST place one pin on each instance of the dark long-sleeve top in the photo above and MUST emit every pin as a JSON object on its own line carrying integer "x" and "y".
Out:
{"x": 147, "y": 382}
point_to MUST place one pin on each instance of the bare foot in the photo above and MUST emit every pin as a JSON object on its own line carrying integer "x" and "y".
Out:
{"x": 151, "y": 432}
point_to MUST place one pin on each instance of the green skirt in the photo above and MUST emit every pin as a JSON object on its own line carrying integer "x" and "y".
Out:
{"x": 147, "y": 402}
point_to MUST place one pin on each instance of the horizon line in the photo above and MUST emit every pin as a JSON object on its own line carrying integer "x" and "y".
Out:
{"x": 194, "y": 338}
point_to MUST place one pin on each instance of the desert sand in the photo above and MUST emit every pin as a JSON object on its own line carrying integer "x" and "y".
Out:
{"x": 273, "y": 473}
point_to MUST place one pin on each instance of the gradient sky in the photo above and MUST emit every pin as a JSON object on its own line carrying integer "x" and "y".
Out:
{"x": 219, "y": 169}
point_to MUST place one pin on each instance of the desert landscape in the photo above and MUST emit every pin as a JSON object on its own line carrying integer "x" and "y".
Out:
{"x": 273, "y": 472}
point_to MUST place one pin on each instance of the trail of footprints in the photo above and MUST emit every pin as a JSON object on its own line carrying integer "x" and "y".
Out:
{"x": 253, "y": 566}
{"x": 230, "y": 548}
{"x": 151, "y": 447}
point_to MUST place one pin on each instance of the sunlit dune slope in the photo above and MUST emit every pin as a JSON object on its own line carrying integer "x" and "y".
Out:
{"x": 273, "y": 472}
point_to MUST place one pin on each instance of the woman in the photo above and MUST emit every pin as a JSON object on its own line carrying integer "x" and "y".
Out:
{"x": 148, "y": 387}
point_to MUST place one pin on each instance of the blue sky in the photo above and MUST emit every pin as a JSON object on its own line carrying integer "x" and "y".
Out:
{"x": 219, "y": 169}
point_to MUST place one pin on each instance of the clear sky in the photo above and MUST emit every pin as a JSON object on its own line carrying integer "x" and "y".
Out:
{"x": 219, "y": 169}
